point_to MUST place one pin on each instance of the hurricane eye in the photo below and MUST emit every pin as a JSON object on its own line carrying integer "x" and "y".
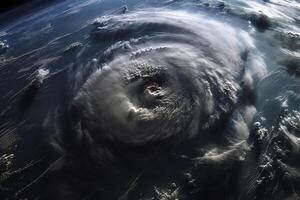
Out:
{"x": 153, "y": 86}
{"x": 154, "y": 83}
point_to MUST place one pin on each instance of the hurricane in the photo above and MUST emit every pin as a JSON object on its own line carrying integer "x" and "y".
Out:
{"x": 160, "y": 87}
{"x": 154, "y": 100}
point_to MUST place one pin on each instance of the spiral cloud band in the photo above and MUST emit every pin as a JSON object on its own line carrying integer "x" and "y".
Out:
{"x": 167, "y": 76}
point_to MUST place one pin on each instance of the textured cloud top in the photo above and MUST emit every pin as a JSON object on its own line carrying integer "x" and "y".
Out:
{"x": 167, "y": 76}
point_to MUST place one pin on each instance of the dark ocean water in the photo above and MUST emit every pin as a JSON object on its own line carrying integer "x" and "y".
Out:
{"x": 164, "y": 100}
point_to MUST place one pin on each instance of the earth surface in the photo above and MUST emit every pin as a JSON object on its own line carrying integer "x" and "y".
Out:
{"x": 155, "y": 99}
